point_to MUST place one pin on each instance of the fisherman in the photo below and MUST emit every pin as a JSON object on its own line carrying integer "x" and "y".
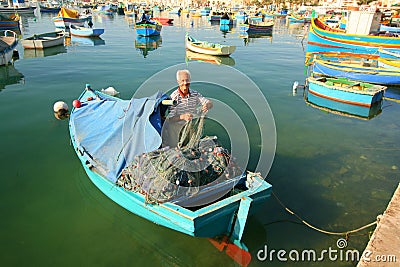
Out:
{"x": 189, "y": 104}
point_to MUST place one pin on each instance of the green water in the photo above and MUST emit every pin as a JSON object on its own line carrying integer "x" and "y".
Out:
{"x": 337, "y": 173}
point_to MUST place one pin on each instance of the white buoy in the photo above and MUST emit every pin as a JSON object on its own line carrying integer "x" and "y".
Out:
{"x": 295, "y": 85}
{"x": 110, "y": 91}
{"x": 59, "y": 106}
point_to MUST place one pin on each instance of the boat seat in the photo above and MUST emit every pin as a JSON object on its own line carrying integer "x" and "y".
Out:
{"x": 48, "y": 38}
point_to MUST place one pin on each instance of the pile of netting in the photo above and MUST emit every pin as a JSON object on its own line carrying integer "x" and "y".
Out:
{"x": 181, "y": 171}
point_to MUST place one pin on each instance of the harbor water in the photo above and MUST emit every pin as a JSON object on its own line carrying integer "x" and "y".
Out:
{"x": 336, "y": 172}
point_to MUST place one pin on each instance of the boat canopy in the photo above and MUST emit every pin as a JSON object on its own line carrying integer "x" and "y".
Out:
{"x": 110, "y": 132}
{"x": 68, "y": 13}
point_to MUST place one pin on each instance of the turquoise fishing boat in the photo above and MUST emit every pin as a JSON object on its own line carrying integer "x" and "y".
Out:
{"x": 146, "y": 27}
{"x": 116, "y": 140}
{"x": 318, "y": 44}
{"x": 357, "y": 70}
{"x": 338, "y": 35}
{"x": 344, "y": 95}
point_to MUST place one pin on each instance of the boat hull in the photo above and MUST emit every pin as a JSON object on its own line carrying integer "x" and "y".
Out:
{"x": 148, "y": 29}
{"x": 10, "y": 40}
{"x": 62, "y": 22}
{"x": 342, "y": 99}
{"x": 365, "y": 74}
{"x": 86, "y": 32}
{"x": 43, "y": 41}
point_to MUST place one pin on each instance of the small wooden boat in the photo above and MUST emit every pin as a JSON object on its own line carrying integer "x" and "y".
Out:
{"x": 163, "y": 21}
{"x": 67, "y": 17}
{"x": 96, "y": 126}
{"x": 146, "y": 27}
{"x": 17, "y": 10}
{"x": 208, "y": 48}
{"x": 48, "y": 8}
{"x": 356, "y": 71}
{"x": 344, "y": 95}
{"x": 10, "y": 22}
{"x": 44, "y": 40}
{"x": 85, "y": 32}
{"x": 258, "y": 27}
{"x": 8, "y": 42}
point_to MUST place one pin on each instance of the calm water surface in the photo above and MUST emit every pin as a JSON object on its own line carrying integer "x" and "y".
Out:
{"x": 338, "y": 173}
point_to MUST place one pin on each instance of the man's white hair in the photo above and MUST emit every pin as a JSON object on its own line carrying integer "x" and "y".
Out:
{"x": 179, "y": 72}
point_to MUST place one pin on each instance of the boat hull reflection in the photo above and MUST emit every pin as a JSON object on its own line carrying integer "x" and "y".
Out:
{"x": 9, "y": 75}
{"x": 86, "y": 41}
{"x": 145, "y": 44}
{"x": 46, "y": 52}
{"x": 217, "y": 60}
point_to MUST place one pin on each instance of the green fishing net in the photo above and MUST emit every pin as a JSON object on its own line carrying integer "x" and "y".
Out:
{"x": 195, "y": 166}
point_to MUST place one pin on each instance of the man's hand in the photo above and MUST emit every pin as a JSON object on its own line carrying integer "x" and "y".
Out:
{"x": 208, "y": 105}
{"x": 186, "y": 117}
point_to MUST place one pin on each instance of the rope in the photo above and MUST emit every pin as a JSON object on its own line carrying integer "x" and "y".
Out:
{"x": 319, "y": 229}
{"x": 392, "y": 99}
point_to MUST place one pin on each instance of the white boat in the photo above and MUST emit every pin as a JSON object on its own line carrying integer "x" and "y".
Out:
{"x": 85, "y": 32}
{"x": 208, "y": 48}
{"x": 44, "y": 40}
{"x": 8, "y": 42}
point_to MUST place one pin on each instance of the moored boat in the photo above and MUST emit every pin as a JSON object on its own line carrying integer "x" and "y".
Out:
{"x": 97, "y": 129}
{"x": 258, "y": 27}
{"x": 208, "y": 48}
{"x": 9, "y": 22}
{"x": 163, "y": 21}
{"x": 85, "y": 32}
{"x": 146, "y": 27}
{"x": 44, "y": 40}
{"x": 8, "y": 42}
{"x": 356, "y": 71}
{"x": 67, "y": 17}
{"x": 344, "y": 95}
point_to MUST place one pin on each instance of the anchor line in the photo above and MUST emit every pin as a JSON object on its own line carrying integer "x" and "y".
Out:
{"x": 346, "y": 233}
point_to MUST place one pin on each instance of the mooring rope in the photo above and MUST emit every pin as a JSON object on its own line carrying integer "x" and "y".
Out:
{"x": 392, "y": 99}
{"x": 321, "y": 230}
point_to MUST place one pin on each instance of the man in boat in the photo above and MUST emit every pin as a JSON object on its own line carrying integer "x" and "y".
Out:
{"x": 189, "y": 104}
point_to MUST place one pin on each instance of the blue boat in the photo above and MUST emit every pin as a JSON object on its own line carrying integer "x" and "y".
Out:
{"x": 146, "y": 27}
{"x": 323, "y": 30}
{"x": 317, "y": 44}
{"x": 345, "y": 95}
{"x": 85, "y": 32}
{"x": 107, "y": 134}
{"x": 356, "y": 72}
{"x": 225, "y": 20}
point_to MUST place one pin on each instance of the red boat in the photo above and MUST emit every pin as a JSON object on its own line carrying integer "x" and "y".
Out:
{"x": 164, "y": 21}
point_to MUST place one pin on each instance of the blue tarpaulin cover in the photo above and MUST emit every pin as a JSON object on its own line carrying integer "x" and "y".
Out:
{"x": 111, "y": 132}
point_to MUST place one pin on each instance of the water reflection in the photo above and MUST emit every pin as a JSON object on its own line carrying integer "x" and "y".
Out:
{"x": 50, "y": 51}
{"x": 84, "y": 41}
{"x": 146, "y": 44}
{"x": 218, "y": 60}
{"x": 251, "y": 37}
{"x": 9, "y": 75}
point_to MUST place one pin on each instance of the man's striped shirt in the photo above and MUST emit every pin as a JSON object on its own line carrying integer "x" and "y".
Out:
{"x": 191, "y": 103}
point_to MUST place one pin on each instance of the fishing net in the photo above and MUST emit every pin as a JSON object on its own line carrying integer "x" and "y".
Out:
{"x": 196, "y": 165}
